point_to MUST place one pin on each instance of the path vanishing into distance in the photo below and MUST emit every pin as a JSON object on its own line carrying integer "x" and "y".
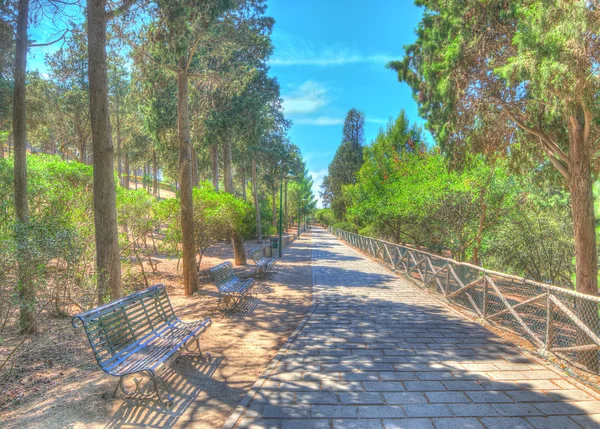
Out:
{"x": 377, "y": 353}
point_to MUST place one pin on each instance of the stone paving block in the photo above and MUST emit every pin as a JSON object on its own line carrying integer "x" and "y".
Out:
{"x": 427, "y": 410}
{"x": 380, "y": 411}
{"x": 342, "y": 386}
{"x": 489, "y": 396}
{"x": 398, "y": 376}
{"x": 396, "y": 398}
{"x": 589, "y": 421}
{"x": 447, "y": 397}
{"x": 517, "y": 410}
{"x": 462, "y": 385}
{"x": 305, "y": 424}
{"x": 560, "y": 408}
{"x": 316, "y": 398}
{"x": 458, "y": 423}
{"x": 473, "y": 410}
{"x": 384, "y": 386}
{"x": 357, "y": 424}
{"x": 408, "y": 424}
{"x": 332, "y": 411}
{"x": 285, "y": 411}
{"x": 434, "y": 375}
{"x": 424, "y": 386}
{"x": 360, "y": 376}
{"x": 356, "y": 398}
{"x": 506, "y": 423}
{"x": 553, "y": 422}
{"x": 570, "y": 395}
{"x": 528, "y": 396}
{"x": 259, "y": 424}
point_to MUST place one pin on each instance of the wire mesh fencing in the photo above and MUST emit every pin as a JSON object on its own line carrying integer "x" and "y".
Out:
{"x": 556, "y": 321}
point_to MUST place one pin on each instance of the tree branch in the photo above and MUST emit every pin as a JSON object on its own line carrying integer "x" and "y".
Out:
{"x": 119, "y": 10}
{"x": 550, "y": 146}
{"x": 587, "y": 115}
{"x": 38, "y": 45}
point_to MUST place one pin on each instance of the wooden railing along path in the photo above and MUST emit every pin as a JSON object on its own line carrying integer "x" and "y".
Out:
{"x": 555, "y": 320}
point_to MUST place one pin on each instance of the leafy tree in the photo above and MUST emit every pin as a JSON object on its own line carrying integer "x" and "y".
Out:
{"x": 508, "y": 76}
{"x": 346, "y": 162}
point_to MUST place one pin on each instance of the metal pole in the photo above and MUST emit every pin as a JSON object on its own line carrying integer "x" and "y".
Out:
{"x": 299, "y": 200}
{"x": 280, "y": 216}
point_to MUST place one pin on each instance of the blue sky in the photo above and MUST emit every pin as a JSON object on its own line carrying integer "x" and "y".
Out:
{"x": 330, "y": 56}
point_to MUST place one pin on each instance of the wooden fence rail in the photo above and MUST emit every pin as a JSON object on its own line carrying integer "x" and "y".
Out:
{"x": 556, "y": 320}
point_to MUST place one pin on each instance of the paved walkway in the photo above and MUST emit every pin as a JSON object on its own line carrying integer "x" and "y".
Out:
{"x": 378, "y": 353}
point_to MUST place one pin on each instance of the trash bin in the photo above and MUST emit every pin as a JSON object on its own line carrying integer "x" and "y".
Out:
{"x": 274, "y": 243}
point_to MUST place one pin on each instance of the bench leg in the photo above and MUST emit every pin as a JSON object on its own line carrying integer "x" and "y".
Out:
{"x": 142, "y": 390}
{"x": 206, "y": 357}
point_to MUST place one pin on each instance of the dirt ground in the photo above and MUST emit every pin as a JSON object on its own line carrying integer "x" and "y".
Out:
{"x": 57, "y": 383}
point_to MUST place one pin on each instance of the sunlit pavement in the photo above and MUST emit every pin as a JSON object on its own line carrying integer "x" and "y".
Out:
{"x": 379, "y": 353}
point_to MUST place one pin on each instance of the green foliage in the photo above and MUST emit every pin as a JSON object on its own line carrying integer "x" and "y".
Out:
{"x": 325, "y": 216}
{"x": 345, "y": 164}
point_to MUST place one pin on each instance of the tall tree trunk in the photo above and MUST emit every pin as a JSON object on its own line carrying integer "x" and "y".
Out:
{"x": 119, "y": 157}
{"x": 584, "y": 229}
{"x": 190, "y": 279}
{"x": 108, "y": 262}
{"x": 126, "y": 177}
{"x": 2, "y": 149}
{"x": 239, "y": 254}
{"x": 214, "y": 151}
{"x": 195, "y": 178}
{"x": 135, "y": 178}
{"x": 155, "y": 174}
{"x": 83, "y": 158}
{"x": 256, "y": 202}
{"x": 148, "y": 176}
{"x": 227, "y": 161}
{"x": 243, "y": 177}
{"x": 26, "y": 285}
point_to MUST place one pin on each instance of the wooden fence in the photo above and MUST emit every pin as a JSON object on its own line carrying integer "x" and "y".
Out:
{"x": 555, "y": 320}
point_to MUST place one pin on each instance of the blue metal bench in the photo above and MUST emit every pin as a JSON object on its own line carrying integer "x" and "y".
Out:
{"x": 263, "y": 264}
{"x": 232, "y": 289}
{"x": 139, "y": 334}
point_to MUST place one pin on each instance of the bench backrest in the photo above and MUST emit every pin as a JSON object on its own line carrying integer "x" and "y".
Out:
{"x": 256, "y": 254}
{"x": 222, "y": 274}
{"x": 117, "y": 327}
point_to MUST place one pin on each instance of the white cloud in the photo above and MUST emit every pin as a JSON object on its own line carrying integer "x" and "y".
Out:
{"x": 317, "y": 177}
{"x": 293, "y": 51}
{"x": 307, "y": 98}
{"x": 320, "y": 121}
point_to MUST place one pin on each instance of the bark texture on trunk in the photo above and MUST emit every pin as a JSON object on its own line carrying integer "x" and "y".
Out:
{"x": 243, "y": 179}
{"x": 214, "y": 151}
{"x": 108, "y": 261}
{"x": 239, "y": 254}
{"x": 126, "y": 177}
{"x": 119, "y": 156}
{"x": 26, "y": 286}
{"x": 584, "y": 230}
{"x": 155, "y": 174}
{"x": 227, "y": 161}
{"x": 256, "y": 202}
{"x": 195, "y": 177}
{"x": 190, "y": 280}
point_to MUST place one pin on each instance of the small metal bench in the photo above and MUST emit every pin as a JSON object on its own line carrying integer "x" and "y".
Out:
{"x": 263, "y": 264}
{"x": 232, "y": 289}
{"x": 139, "y": 334}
